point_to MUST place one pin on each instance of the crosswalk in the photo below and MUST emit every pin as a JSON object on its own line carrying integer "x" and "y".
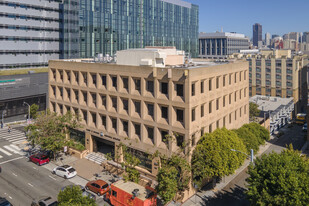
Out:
{"x": 12, "y": 139}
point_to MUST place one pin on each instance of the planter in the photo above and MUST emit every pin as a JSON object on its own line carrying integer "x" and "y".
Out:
{"x": 77, "y": 153}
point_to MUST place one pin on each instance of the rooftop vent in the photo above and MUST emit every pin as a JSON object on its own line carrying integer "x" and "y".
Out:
{"x": 135, "y": 193}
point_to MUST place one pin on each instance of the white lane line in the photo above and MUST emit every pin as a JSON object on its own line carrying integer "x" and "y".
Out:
{"x": 30, "y": 184}
{"x": 14, "y": 174}
{"x": 5, "y": 152}
{"x": 16, "y": 139}
{"x": 15, "y": 147}
{"x": 0, "y": 156}
{"x": 16, "y": 136}
{"x": 12, "y": 149}
{"x": 34, "y": 168}
{"x": 19, "y": 141}
{"x": 17, "y": 158}
{"x": 52, "y": 177}
{"x": 10, "y": 197}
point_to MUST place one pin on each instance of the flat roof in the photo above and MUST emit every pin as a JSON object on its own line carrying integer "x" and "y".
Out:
{"x": 129, "y": 187}
{"x": 267, "y": 103}
{"x": 221, "y": 34}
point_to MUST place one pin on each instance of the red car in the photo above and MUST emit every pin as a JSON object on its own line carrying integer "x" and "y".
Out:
{"x": 39, "y": 159}
{"x": 99, "y": 187}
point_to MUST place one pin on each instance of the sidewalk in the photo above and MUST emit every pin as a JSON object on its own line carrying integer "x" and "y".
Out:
{"x": 198, "y": 198}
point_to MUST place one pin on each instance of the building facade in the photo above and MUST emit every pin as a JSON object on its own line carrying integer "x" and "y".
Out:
{"x": 17, "y": 89}
{"x": 139, "y": 105}
{"x": 279, "y": 74}
{"x": 257, "y": 34}
{"x": 221, "y": 44}
{"x": 108, "y": 26}
{"x": 267, "y": 39}
{"x": 29, "y": 33}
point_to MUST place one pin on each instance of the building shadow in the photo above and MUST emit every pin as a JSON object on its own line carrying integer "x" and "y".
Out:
{"x": 235, "y": 197}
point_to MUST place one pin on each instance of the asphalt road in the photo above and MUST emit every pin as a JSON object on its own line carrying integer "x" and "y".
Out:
{"x": 22, "y": 181}
{"x": 233, "y": 193}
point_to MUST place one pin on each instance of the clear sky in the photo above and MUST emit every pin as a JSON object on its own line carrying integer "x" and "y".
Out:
{"x": 275, "y": 16}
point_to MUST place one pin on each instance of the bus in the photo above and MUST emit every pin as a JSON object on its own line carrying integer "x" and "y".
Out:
{"x": 301, "y": 118}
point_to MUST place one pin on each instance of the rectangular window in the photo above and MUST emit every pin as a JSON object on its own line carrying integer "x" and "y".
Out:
{"x": 68, "y": 93}
{"x": 235, "y": 75}
{"x": 150, "y": 108}
{"x": 179, "y": 90}
{"x": 179, "y": 113}
{"x": 164, "y": 112}
{"x": 224, "y": 101}
{"x": 114, "y": 102}
{"x": 76, "y": 95}
{"x": 193, "y": 115}
{"x": 245, "y": 75}
{"x": 94, "y": 118}
{"x": 236, "y": 115}
{"x": 114, "y": 82}
{"x": 217, "y": 82}
{"x": 179, "y": 140}
{"x": 150, "y": 133}
{"x": 103, "y": 117}
{"x": 125, "y": 82}
{"x": 202, "y": 110}
{"x": 230, "y": 118}
{"x": 114, "y": 123}
{"x": 103, "y": 97}
{"x": 210, "y": 128}
{"x": 210, "y": 107}
{"x": 164, "y": 88}
{"x": 125, "y": 126}
{"x": 137, "y": 84}
{"x": 84, "y": 77}
{"x": 137, "y": 128}
{"x": 224, "y": 80}
{"x": 103, "y": 77}
{"x": 94, "y": 79}
{"x": 137, "y": 106}
{"x": 202, "y": 87}
{"x": 84, "y": 115}
{"x": 76, "y": 77}
{"x": 210, "y": 84}
{"x": 164, "y": 137}
{"x": 193, "y": 89}
{"x": 230, "y": 79}
{"x": 235, "y": 96}
{"x": 94, "y": 98}
{"x": 218, "y": 124}
{"x": 114, "y": 193}
{"x": 150, "y": 86}
{"x": 125, "y": 103}
{"x": 217, "y": 104}
{"x": 68, "y": 75}
{"x": 85, "y": 97}
{"x": 224, "y": 121}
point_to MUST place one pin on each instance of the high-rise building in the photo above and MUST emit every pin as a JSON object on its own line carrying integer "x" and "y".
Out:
{"x": 274, "y": 36}
{"x": 257, "y": 34}
{"x": 306, "y": 37}
{"x": 146, "y": 95}
{"x": 221, "y": 44}
{"x": 267, "y": 39}
{"x": 108, "y": 26}
{"x": 29, "y": 33}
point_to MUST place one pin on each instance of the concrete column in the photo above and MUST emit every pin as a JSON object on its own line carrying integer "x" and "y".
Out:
{"x": 156, "y": 164}
{"x": 90, "y": 144}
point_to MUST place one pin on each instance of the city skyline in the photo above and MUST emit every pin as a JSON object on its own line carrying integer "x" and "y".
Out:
{"x": 240, "y": 15}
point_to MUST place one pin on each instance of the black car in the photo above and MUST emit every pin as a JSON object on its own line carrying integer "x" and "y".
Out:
{"x": 4, "y": 202}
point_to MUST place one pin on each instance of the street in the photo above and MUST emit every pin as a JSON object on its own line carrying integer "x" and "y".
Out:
{"x": 233, "y": 193}
{"x": 22, "y": 181}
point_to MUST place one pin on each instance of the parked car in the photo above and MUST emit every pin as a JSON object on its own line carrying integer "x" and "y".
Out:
{"x": 99, "y": 187}
{"x": 65, "y": 171}
{"x": 4, "y": 202}
{"x": 305, "y": 127}
{"x": 39, "y": 159}
{"x": 85, "y": 193}
{"x": 48, "y": 201}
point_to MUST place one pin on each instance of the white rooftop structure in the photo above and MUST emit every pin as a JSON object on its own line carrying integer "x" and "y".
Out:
{"x": 179, "y": 3}
{"x": 221, "y": 34}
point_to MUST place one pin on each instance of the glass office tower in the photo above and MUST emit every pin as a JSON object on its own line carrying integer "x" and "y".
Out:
{"x": 106, "y": 26}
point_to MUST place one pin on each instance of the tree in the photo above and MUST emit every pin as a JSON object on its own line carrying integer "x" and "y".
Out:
{"x": 34, "y": 111}
{"x": 49, "y": 130}
{"x": 130, "y": 162}
{"x": 279, "y": 179}
{"x": 213, "y": 157}
{"x": 253, "y": 110}
{"x": 260, "y": 132}
{"x": 250, "y": 140}
{"x": 174, "y": 176}
{"x": 74, "y": 196}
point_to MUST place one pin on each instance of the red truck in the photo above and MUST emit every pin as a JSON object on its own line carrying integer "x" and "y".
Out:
{"x": 131, "y": 194}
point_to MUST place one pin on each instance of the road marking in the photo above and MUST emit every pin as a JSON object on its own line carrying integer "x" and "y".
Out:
{"x": 14, "y": 174}
{"x": 20, "y": 141}
{"x": 34, "y": 168}
{"x": 5, "y": 152}
{"x": 12, "y": 149}
{"x": 17, "y": 158}
{"x": 0, "y": 156}
{"x": 16, "y": 139}
{"x": 52, "y": 177}
{"x": 30, "y": 184}
{"x": 10, "y": 197}
{"x": 15, "y": 147}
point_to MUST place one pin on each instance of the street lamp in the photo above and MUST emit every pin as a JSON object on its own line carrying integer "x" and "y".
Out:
{"x": 249, "y": 156}
{"x": 25, "y": 103}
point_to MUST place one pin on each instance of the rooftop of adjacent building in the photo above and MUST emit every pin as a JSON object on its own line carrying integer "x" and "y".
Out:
{"x": 221, "y": 34}
{"x": 160, "y": 57}
{"x": 267, "y": 53}
{"x": 267, "y": 103}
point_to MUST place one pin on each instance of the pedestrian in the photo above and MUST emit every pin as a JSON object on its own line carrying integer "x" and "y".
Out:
{"x": 1, "y": 125}
{"x": 9, "y": 129}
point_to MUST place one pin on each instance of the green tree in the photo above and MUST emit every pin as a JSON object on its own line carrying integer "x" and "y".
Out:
{"x": 50, "y": 130}
{"x": 34, "y": 111}
{"x": 279, "y": 179}
{"x": 213, "y": 157}
{"x": 253, "y": 110}
{"x": 259, "y": 131}
{"x": 250, "y": 140}
{"x": 73, "y": 196}
{"x": 130, "y": 162}
{"x": 167, "y": 183}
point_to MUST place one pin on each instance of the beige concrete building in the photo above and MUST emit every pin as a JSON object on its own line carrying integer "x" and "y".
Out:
{"x": 139, "y": 105}
{"x": 278, "y": 73}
